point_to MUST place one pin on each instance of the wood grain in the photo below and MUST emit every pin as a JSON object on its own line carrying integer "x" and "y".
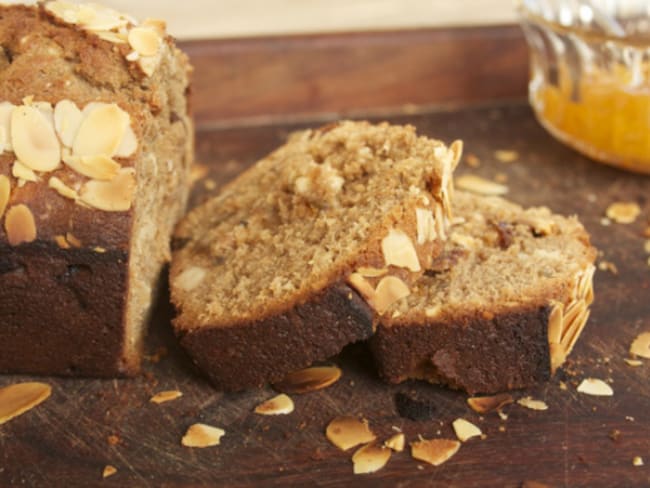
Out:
{"x": 261, "y": 80}
{"x": 65, "y": 441}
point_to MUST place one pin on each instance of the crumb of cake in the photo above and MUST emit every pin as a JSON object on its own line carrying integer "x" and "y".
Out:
{"x": 166, "y": 396}
{"x": 278, "y": 405}
{"x": 434, "y": 451}
{"x": 348, "y": 432}
{"x": 481, "y": 186}
{"x": 309, "y": 379}
{"x": 202, "y": 435}
{"x": 641, "y": 346}
{"x": 532, "y": 404}
{"x": 19, "y": 398}
{"x": 506, "y": 155}
{"x": 623, "y": 212}
{"x": 608, "y": 266}
{"x": 109, "y": 470}
{"x": 370, "y": 458}
{"x": 396, "y": 442}
{"x": 113, "y": 440}
{"x": 595, "y": 387}
{"x": 487, "y": 404}
{"x": 605, "y": 222}
{"x": 615, "y": 435}
{"x": 465, "y": 430}
{"x": 198, "y": 172}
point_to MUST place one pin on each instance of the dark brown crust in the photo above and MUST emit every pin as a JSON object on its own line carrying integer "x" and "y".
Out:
{"x": 478, "y": 354}
{"x": 264, "y": 351}
{"x": 56, "y": 322}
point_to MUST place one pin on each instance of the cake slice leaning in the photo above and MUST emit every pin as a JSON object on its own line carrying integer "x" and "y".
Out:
{"x": 264, "y": 276}
{"x": 500, "y": 309}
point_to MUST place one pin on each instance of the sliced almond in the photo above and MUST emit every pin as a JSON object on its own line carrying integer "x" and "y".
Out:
{"x": 633, "y": 362}
{"x": 148, "y": 65}
{"x": 101, "y": 131}
{"x": 129, "y": 144}
{"x": 426, "y": 226}
{"x": 20, "y": 225}
{"x": 278, "y": 405}
{"x": 432, "y": 312}
{"x": 396, "y": 442}
{"x": 111, "y": 196}
{"x": 114, "y": 37}
{"x": 144, "y": 41}
{"x": 434, "y": 451}
{"x": 465, "y": 430}
{"x": 370, "y": 458}
{"x": 109, "y": 470}
{"x": 166, "y": 396}
{"x": 389, "y": 290}
{"x": 5, "y": 194}
{"x": 309, "y": 379}
{"x": 6, "y": 109}
{"x": 398, "y": 250}
{"x": 481, "y": 186}
{"x": 190, "y": 279}
{"x": 372, "y": 272}
{"x": 202, "y": 435}
{"x": 637, "y": 461}
{"x": 556, "y": 323}
{"x": 67, "y": 119}
{"x": 558, "y": 355}
{"x": 640, "y": 346}
{"x": 348, "y": 432}
{"x": 489, "y": 403}
{"x": 22, "y": 172}
{"x": 72, "y": 240}
{"x": 595, "y": 387}
{"x": 61, "y": 242}
{"x": 99, "y": 167}
{"x": 623, "y": 212}
{"x": 62, "y": 189}
{"x": 21, "y": 397}
{"x": 532, "y": 404}
{"x": 362, "y": 285}
{"x": 158, "y": 25}
{"x": 34, "y": 140}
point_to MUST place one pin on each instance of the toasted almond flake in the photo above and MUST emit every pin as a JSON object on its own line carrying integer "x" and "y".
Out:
{"x": 370, "y": 458}
{"x": 465, "y": 430}
{"x": 67, "y": 119}
{"x": 148, "y": 64}
{"x": 62, "y": 189}
{"x": 33, "y": 139}
{"x": 432, "y": 312}
{"x": 640, "y": 346}
{"x": 533, "y": 404}
{"x": 555, "y": 324}
{"x": 389, "y": 290}
{"x": 434, "y": 451}
{"x": 558, "y": 355}
{"x": 202, "y": 435}
{"x": 20, "y": 225}
{"x": 348, "y": 432}
{"x": 595, "y": 387}
{"x": 145, "y": 41}
{"x": 5, "y": 193}
{"x": 61, "y": 242}
{"x": 608, "y": 266}
{"x": 472, "y": 160}
{"x": 98, "y": 167}
{"x": 633, "y": 362}
{"x": 166, "y": 396}
{"x": 426, "y": 226}
{"x": 21, "y": 397}
{"x": 72, "y": 240}
{"x": 114, "y": 37}
{"x": 109, "y": 470}
{"x": 190, "y": 279}
{"x": 129, "y": 144}
{"x": 398, "y": 250}
{"x": 623, "y": 212}
{"x": 99, "y": 250}
{"x": 111, "y": 196}
{"x": 506, "y": 156}
{"x": 372, "y": 272}
{"x": 101, "y": 131}
{"x": 487, "y": 404}
{"x": 158, "y": 25}
{"x": 6, "y": 109}
{"x": 309, "y": 379}
{"x": 481, "y": 186}
{"x": 278, "y": 405}
{"x": 396, "y": 442}
{"x": 133, "y": 56}
{"x": 637, "y": 461}
{"x": 22, "y": 172}
{"x": 362, "y": 285}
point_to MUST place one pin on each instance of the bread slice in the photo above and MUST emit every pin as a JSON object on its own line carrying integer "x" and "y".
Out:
{"x": 96, "y": 147}
{"x": 264, "y": 275}
{"x": 500, "y": 309}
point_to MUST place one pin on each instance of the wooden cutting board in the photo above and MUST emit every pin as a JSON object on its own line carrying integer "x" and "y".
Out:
{"x": 579, "y": 441}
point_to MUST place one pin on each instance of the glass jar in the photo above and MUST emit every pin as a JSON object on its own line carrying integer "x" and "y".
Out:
{"x": 590, "y": 75}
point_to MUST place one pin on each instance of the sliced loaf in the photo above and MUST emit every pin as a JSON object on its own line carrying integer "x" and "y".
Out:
{"x": 501, "y": 308}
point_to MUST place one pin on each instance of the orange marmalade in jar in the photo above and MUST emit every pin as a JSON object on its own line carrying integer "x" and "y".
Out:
{"x": 590, "y": 76}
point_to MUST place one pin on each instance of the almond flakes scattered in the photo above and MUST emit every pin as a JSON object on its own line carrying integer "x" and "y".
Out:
{"x": 109, "y": 470}
{"x": 111, "y": 196}
{"x": 278, "y": 405}
{"x": 533, "y": 404}
{"x": 641, "y": 346}
{"x": 20, "y": 225}
{"x": 623, "y": 212}
{"x": 21, "y": 397}
{"x": 396, "y": 442}
{"x": 465, "y": 430}
{"x": 370, "y": 458}
{"x": 489, "y": 403}
{"x": 166, "y": 396}
{"x": 348, "y": 432}
{"x": 595, "y": 387}
{"x": 481, "y": 186}
{"x": 309, "y": 379}
{"x": 202, "y": 435}
{"x": 434, "y": 451}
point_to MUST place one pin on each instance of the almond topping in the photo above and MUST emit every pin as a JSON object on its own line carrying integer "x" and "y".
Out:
{"x": 67, "y": 119}
{"x": 529, "y": 402}
{"x": 6, "y": 109}
{"x": 595, "y": 387}
{"x": 372, "y": 272}
{"x": 158, "y": 25}
{"x": 623, "y": 212}
{"x": 389, "y": 290}
{"x": 33, "y": 139}
{"x": 362, "y": 285}
{"x": 640, "y": 346}
{"x": 347, "y": 432}
{"x": 5, "y": 193}
{"x": 191, "y": 278}
{"x": 396, "y": 442}
{"x": 19, "y": 398}
{"x": 109, "y": 470}
{"x": 72, "y": 240}
{"x": 101, "y": 131}
{"x": 100, "y": 167}
{"x": 202, "y": 435}
{"x": 278, "y": 405}
{"x": 481, "y": 186}
{"x": 111, "y": 196}
{"x": 22, "y": 172}
{"x": 555, "y": 324}
{"x": 399, "y": 251}
{"x": 633, "y": 362}
{"x": 465, "y": 430}
{"x": 129, "y": 144}
{"x": 434, "y": 451}
{"x": 309, "y": 379}
{"x": 62, "y": 189}
{"x": 370, "y": 458}
{"x": 637, "y": 461}
{"x": 20, "y": 225}
{"x": 489, "y": 403}
{"x": 144, "y": 41}
{"x": 426, "y": 226}
{"x": 166, "y": 396}
{"x": 61, "y": 242}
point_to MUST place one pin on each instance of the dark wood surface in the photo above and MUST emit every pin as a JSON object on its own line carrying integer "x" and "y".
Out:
{"x": 66, "y": 440}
